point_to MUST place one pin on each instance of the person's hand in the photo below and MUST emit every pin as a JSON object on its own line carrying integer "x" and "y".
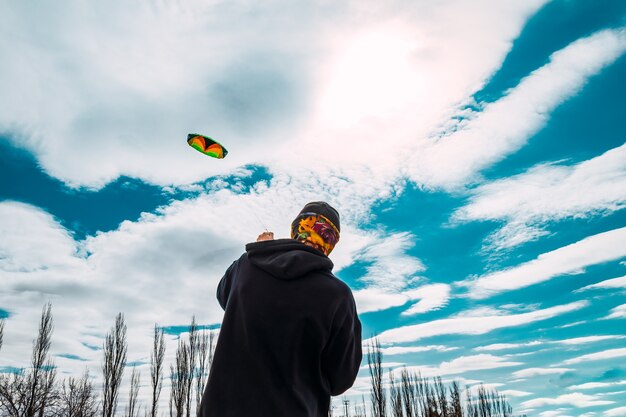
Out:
{"x": 265, "y": 236}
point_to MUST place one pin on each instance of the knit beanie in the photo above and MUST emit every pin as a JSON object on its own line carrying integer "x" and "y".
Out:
{"x": 318, "y": 224}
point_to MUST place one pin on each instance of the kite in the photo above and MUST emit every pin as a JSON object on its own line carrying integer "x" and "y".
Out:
{"x": 206, "y": 145}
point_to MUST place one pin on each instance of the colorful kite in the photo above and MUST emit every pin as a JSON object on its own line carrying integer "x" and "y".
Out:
{"x": 206, "y": 145}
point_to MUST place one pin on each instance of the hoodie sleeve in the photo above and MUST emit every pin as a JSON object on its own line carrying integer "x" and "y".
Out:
{"x": 342, "y": 355}
{"x": 223, "y": 288}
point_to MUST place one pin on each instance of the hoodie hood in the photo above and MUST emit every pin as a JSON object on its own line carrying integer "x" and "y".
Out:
{"x": 287, "y": 258}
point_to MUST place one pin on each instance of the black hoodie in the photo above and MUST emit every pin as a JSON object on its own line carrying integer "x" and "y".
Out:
{"x": 290, "y": 337}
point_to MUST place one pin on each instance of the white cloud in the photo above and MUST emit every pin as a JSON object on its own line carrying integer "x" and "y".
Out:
{"x": 373, "y": 299}
{"x": 504, "y": 126}
{"x": 547, "y": 193}
{"x": 553, "y": 413}
{"x": 571, "y": 259}
{"x": 618, "y": 312}
{"x": 385, "y": 365}
{"x": 515, "y": 393}
{"x": 473, "y": 325}
{"x": 400, "y": 350}
{"x": 587, "y": 339}
{"x": 576, "y": 399}
{"x": 609, "y": 283}
{"x": 18, "y": 224}
{"x": 463, "y": 364}
{"x": 605, "y": 354}
{"x": 596, "y": 385}
{"x": 572, "y": 341}
{"x": 431, "y": 297}
{"x": 576, "y": 323}
{"x": 505, "y": 346}
{"x": 391, "y": 267}
{"x": 256, "y": 76}
{"x": 532, "y": 372}
{"x": 390, "y": 275}
{"x": 615, "y": 412}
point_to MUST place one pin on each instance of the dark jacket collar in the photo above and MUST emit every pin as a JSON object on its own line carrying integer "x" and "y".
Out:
{"x": 287, "y": 258}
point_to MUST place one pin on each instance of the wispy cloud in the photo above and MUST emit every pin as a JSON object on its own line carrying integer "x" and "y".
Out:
{"x": 506, "y": 346}
{"x": 615, "y": 412}
{"x": 607, "y": 284}
{"x": 504, "y": 126}
{"x": 390, "y": 267}
{"x": 400, "y": 350}
{"x": 555, "y": 413}
{"x": 473, "y": 325}
{"x": 431, "y": 297}
{"x": 391, "y": 274}
{"x": 515, "y": 393}
{"x": 547, "y": 193}
{"x": 576, "y": 399}
{"x": 571, "y": 259}
{"x": 605, "y": 354}
{"x": 618, "y": 312}
{"x": 596, "y": 385}
{"x": 587, "y": 339}
{"x": 572, "y": 341}
{"x": 464, "y": 364}
{"x": 531, "y": 372}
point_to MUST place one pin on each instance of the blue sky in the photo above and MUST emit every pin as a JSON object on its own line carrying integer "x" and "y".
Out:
{"x": 480, "y": 172}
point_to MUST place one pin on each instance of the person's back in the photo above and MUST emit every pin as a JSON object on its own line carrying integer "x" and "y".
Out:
{"x": 290, "y": 337}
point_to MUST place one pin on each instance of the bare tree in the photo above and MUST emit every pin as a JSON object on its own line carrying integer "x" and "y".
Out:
{"x": 408, "y": 393}
{"x": 1, "y": 332}
{"x": 179, "y": 380}
{"x": 489, "y": 403}
{"x": 13, "y": 395}
{"x": 115, "y": 349}
{"x": 156, "y": 368}
{"x": 374, "y": 362}
{"x": 441, "y": 397}
{"x": 205, "y": 359}
{"x": 41, "y": 379}
{"x": 30, "y": 393}
{"x": 395, "y": 397}
{"x": 456, "y": 409}
{"x": 132, "y": 410}
{"x": 427, "y": 397}
{"x": 191, "y": 362}
{"x": 78, "y": 398}
{"x": 471, "y": 408}
{"x": 364, "y": 409}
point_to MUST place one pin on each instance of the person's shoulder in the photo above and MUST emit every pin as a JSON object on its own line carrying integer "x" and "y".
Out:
{"x": 338, "y": 286}
{"x": 234, "y": 264}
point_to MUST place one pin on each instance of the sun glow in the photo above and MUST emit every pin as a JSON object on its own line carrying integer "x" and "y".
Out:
{"x": 374, "y": 75}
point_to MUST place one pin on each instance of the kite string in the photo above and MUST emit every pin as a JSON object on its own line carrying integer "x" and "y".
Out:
{"x": 260, "y": 221}
{"x": 253, "y": 211}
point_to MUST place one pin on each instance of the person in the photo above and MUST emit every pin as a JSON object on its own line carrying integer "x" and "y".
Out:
{"x": 290, "y": 337}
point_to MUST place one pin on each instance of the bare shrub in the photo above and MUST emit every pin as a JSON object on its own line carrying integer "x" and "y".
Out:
{"x": 29, "y": 393}
{"x": 78, "y": 398}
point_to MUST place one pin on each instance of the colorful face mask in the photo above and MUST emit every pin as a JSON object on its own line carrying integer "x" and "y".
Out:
{"x": 317, "y": 230}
